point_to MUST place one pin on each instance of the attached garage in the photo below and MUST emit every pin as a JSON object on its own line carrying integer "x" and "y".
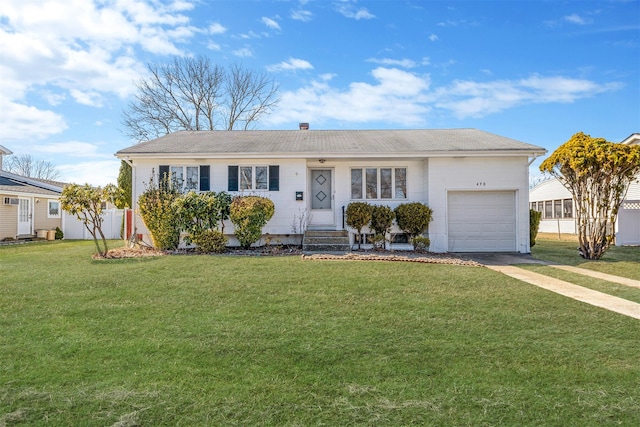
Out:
{"x": 481, "y": 221}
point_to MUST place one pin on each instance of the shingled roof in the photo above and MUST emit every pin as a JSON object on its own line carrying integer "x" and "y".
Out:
{"x": 328, "y": 143}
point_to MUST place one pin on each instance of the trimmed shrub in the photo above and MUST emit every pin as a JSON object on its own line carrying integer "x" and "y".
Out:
{"x": 420, "y": 243}
{"x": 159, "y": 215}
{"x": 381, "y": 221}
{"x": 358, "y": 216}
{"x": 210, "y": 241}
{"x": 413, "y": 218}
{"x": 198, "y": 212}
{"x": 249, "y": 214}
{"x": 59, "y": 234}
{"x": 534, "y": 224}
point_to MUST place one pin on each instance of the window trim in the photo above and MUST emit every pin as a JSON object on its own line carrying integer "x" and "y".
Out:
{"x": 364, "y": 192}
{"x": 49, "y": 202}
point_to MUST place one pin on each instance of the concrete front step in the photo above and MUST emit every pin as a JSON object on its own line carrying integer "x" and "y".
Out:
{"x": 325, "y": 241}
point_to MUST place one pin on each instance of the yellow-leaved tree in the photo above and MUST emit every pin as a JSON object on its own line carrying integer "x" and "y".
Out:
{"x": 597, "y": 173}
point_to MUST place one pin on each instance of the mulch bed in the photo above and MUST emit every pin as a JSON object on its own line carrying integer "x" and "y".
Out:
{"x": 294, "y": 250}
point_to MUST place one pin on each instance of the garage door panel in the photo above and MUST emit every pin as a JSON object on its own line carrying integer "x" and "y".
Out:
{"x": 482, "y": 221}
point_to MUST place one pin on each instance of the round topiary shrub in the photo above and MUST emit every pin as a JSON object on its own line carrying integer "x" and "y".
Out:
{"x": 249, "y": 214}
{"x": 358, "y": 216}
{"x": 413, "y": 218}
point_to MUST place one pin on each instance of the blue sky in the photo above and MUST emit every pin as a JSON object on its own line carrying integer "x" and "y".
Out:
{"x": 535, "y": 71}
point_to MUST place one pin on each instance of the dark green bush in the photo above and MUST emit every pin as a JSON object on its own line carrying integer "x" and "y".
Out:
{"x": 413, "y": 218}
{"x": 59, "y": 234}
{"x": 210, "y": 241}
{"x": 534, "y": 224}
{"x": 249, "y": 214}
{"x": 381, "y": 221}
{"x": 358, "y": 216}
{"x": 159, "y": 215}
{"x": 198, "y": 212}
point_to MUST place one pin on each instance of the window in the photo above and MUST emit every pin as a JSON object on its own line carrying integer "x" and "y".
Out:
{"x": 548, "y": 209}
{"x": 186, "y": 178}
{"x": 567, "y": 208}
{"x": 379, "y": 183}
{"x": 557, "y": 208}
{"x": 254, "y": 178}
{"x": 53, "y": 210}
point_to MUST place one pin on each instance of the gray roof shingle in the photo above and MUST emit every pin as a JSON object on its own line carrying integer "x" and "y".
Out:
{"x": 299, "y": 143}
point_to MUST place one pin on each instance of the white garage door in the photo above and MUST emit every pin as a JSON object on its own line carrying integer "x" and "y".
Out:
{"x": 482, "y": 221}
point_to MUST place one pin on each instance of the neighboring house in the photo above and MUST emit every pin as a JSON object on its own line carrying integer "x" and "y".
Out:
{"x": 27, "y": 204}
{"x": 557, "y": 206}
{"x": 475, "y": 182}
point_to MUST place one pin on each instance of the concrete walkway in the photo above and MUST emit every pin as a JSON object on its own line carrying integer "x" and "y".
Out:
{"x": 504, "y": 263}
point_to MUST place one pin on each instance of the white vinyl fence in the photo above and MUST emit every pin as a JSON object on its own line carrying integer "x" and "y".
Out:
{"x": 75, "y": 229}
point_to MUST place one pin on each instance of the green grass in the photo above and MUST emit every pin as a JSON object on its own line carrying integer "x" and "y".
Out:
{"x": 615, "y": 289}
{"x": 621, "y": 261}
{"x": 224, "y": 340}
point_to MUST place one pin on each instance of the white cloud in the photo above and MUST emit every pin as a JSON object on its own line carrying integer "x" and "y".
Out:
{"x": 301, "y": 15}
{"x": 100, "y": 172}
{"x": 270, "y": 23}
{"x": 574, "y": 18}
{"x": 348, "y": 9}
{"x": 291, "y": 64}
{"x": 70, "y": 149}
{"x": 216, "y": 28}
{"x": 433, "y": 37}
{"x": 243, "y": 53}
{"x": 403, "y": 98}
{"x": 79, "y": 49}
{"x": 404, "y": 63}
{"x": 479, "y": 99}
{"x": 24, "y": 122}
{"x": 396, "y": 96}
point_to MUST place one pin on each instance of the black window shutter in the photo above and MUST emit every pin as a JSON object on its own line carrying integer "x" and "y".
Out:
{"x": 163, "y": 176}
{"x": 233, "y": 178}
{"x": 274, "y": 178}
{"x": 204, "y": 178}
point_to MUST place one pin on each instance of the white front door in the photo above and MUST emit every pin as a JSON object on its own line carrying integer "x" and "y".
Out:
{"x": 321, "y": 192}
{"x": 24, "y": 217}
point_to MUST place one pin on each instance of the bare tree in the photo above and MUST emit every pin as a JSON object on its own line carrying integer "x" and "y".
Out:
{"x": 195, "y": 94}
{"x": 26, "y": 165}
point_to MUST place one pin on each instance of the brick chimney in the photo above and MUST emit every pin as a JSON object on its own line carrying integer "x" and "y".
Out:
{"x": 304, "y": 126}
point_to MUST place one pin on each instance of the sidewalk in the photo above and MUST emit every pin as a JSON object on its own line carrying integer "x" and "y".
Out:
{"x": 504, "y": 263}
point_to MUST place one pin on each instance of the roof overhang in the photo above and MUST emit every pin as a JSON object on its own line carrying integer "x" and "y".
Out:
{"x": 326, "y": 155}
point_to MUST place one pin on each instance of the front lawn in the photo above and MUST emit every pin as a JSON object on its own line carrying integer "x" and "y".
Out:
{"x": 232, "y": 340}
{"x": 618, "y": 260}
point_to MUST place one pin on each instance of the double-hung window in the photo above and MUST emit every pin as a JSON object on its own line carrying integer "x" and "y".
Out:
{"x": 250, "y": 177}
{"x": 379, "y": 183}
{"x": 185, "y": 178}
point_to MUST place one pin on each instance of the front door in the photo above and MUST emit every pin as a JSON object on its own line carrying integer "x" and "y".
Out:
{"x": 24, "y": 217}
{"x": 322, "y": 198}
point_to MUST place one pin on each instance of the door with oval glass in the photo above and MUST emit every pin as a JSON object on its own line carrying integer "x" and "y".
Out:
{"x": 322, "y": 197}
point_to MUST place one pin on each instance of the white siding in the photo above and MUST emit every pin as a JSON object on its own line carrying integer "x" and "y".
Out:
{"x": 478, "y": 174}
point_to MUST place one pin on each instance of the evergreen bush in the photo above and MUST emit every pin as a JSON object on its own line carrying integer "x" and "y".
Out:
{"x": 358, "y": 216}
{"x": 534, "y": 224}
{"x": 249, "y": 214}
